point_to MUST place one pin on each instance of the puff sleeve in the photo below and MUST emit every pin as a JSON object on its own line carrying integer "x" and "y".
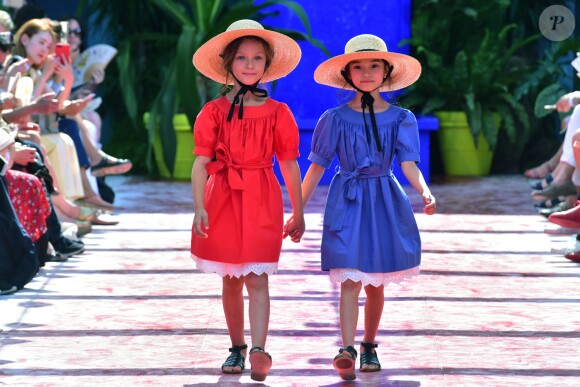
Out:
{"x": 286, "y": 136}
{"x": 205, "y": 131}
{"x": 407, "y": 147}
{"x": 324, "y": 140}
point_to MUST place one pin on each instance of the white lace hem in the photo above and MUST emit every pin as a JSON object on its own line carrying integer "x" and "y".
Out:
{"x": 235, "y": 269}
{"x": 374, "y": 279}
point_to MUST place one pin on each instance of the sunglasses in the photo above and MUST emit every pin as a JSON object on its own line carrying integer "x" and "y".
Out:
{"x": 76, "y": 31}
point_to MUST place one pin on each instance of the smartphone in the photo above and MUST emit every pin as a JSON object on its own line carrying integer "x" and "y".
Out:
{"x": 3, "y": 165}
{"x": 62, "y": 50}
{"x": 576, "y": 63}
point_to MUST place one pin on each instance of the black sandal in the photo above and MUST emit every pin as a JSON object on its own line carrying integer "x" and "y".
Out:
{"x": 236, "y": 359}
{"x": 369, "y": 357}
{"x": 344, "y": 364}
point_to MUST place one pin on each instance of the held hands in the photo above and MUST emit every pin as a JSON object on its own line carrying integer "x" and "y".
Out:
{"x": 200, "y": 219}
{"x": 430, "y": 204}
{"x": 295, "y": 228}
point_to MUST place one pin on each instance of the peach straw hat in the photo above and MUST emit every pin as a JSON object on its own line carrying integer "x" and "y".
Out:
{"x": 287, "y": 53}
{"x": 406, "y": 69}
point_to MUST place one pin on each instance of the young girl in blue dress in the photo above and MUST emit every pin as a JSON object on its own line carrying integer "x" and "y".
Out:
{"x": 370, "y": 237}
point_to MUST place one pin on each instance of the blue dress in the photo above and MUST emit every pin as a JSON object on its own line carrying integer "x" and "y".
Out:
{"x": 369, "y": 224}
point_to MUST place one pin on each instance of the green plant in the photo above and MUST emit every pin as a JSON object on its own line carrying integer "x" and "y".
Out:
{"x": 156, "y": 42}
{"x": 469, "y": 63}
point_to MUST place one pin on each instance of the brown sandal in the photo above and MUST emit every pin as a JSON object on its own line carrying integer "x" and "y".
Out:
{"x": 261, "y": 362}
{"x": 344, "y": 363}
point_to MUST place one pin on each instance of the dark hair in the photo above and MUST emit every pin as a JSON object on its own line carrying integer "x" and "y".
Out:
{"x": 231, "y": 50}
{"x": 344, "y": 95}
{"x": 27, "y": 12}
{"x": 83, "y": 31}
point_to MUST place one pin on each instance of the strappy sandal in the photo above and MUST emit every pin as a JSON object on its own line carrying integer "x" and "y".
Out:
{"x": 344, "y": 362}
{"x": 369, "y": 357}
{"x": 537, "y": 185}
{"x": 236, "y": 359}
{"x": 261, "y": 362}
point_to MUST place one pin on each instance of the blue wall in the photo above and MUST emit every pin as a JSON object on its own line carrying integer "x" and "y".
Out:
{"x": 333, "y": 23}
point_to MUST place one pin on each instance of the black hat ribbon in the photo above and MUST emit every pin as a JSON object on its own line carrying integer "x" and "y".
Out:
{"x": 243, "y": 90}
{"x": 367, "y": 100}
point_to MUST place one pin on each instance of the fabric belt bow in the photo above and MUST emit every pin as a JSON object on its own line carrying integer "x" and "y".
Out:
{"x": 224, "y": 160}
{"x": 363, "y": 171}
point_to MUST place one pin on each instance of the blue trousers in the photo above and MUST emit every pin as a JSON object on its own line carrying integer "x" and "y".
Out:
{"x": 70, "y": 127}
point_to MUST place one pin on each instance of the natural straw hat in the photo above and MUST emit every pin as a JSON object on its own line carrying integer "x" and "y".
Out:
{"x": 207, "y": 59}
{"x": 406, "y": 69}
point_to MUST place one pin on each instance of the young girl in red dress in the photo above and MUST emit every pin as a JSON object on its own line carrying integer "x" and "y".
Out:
{"x": 238, "y": 224}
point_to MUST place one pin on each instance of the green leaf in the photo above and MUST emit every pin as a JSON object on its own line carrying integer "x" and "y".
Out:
{"x": 460, "y": 67}
{"x": 508, "y": 122}
{"x": 297, "y": 9}
{"x": 433, "y": 104}
{"x": 126, "y": 80}
{"x": 173, "y": 10}
{"x": 489, "y": 129}
{"x": 548, "y": 96}
{"x": 470, "y": 12}
{"x": 475, "y": 121}
{"x": 297, "y": 35}
{"x": 186, "y": 76}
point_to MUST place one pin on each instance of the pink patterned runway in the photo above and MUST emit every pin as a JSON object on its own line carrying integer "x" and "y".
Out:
{"x": 496, "y": 304}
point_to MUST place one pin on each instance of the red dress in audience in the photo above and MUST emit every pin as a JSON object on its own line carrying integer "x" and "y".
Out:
{"x": 29, "y": 201}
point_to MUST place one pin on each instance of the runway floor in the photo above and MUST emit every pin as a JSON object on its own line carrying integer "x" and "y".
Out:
{"x": 496, "y": 304}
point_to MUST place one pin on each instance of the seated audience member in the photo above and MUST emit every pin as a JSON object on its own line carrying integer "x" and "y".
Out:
{"x": 28, "y": 199}
{"x": 18, "y": 261}
{"x": 6, "y": 44}
{"x": 558, "y": 182}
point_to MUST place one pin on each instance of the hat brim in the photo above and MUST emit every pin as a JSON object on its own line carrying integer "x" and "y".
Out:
{"x": 287, "y": 53}
{"x": 406, "y": 69}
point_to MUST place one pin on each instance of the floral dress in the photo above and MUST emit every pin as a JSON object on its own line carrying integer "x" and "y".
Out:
{"x": 29, "y": 201}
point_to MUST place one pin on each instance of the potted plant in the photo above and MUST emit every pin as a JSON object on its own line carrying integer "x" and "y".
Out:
{"x": 156, "y": 42}
{"x": 469, "y": 74}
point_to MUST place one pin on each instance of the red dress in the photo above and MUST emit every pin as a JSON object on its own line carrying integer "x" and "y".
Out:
{"x": 29, "y": 201}
{"x": 243, "y": 198}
